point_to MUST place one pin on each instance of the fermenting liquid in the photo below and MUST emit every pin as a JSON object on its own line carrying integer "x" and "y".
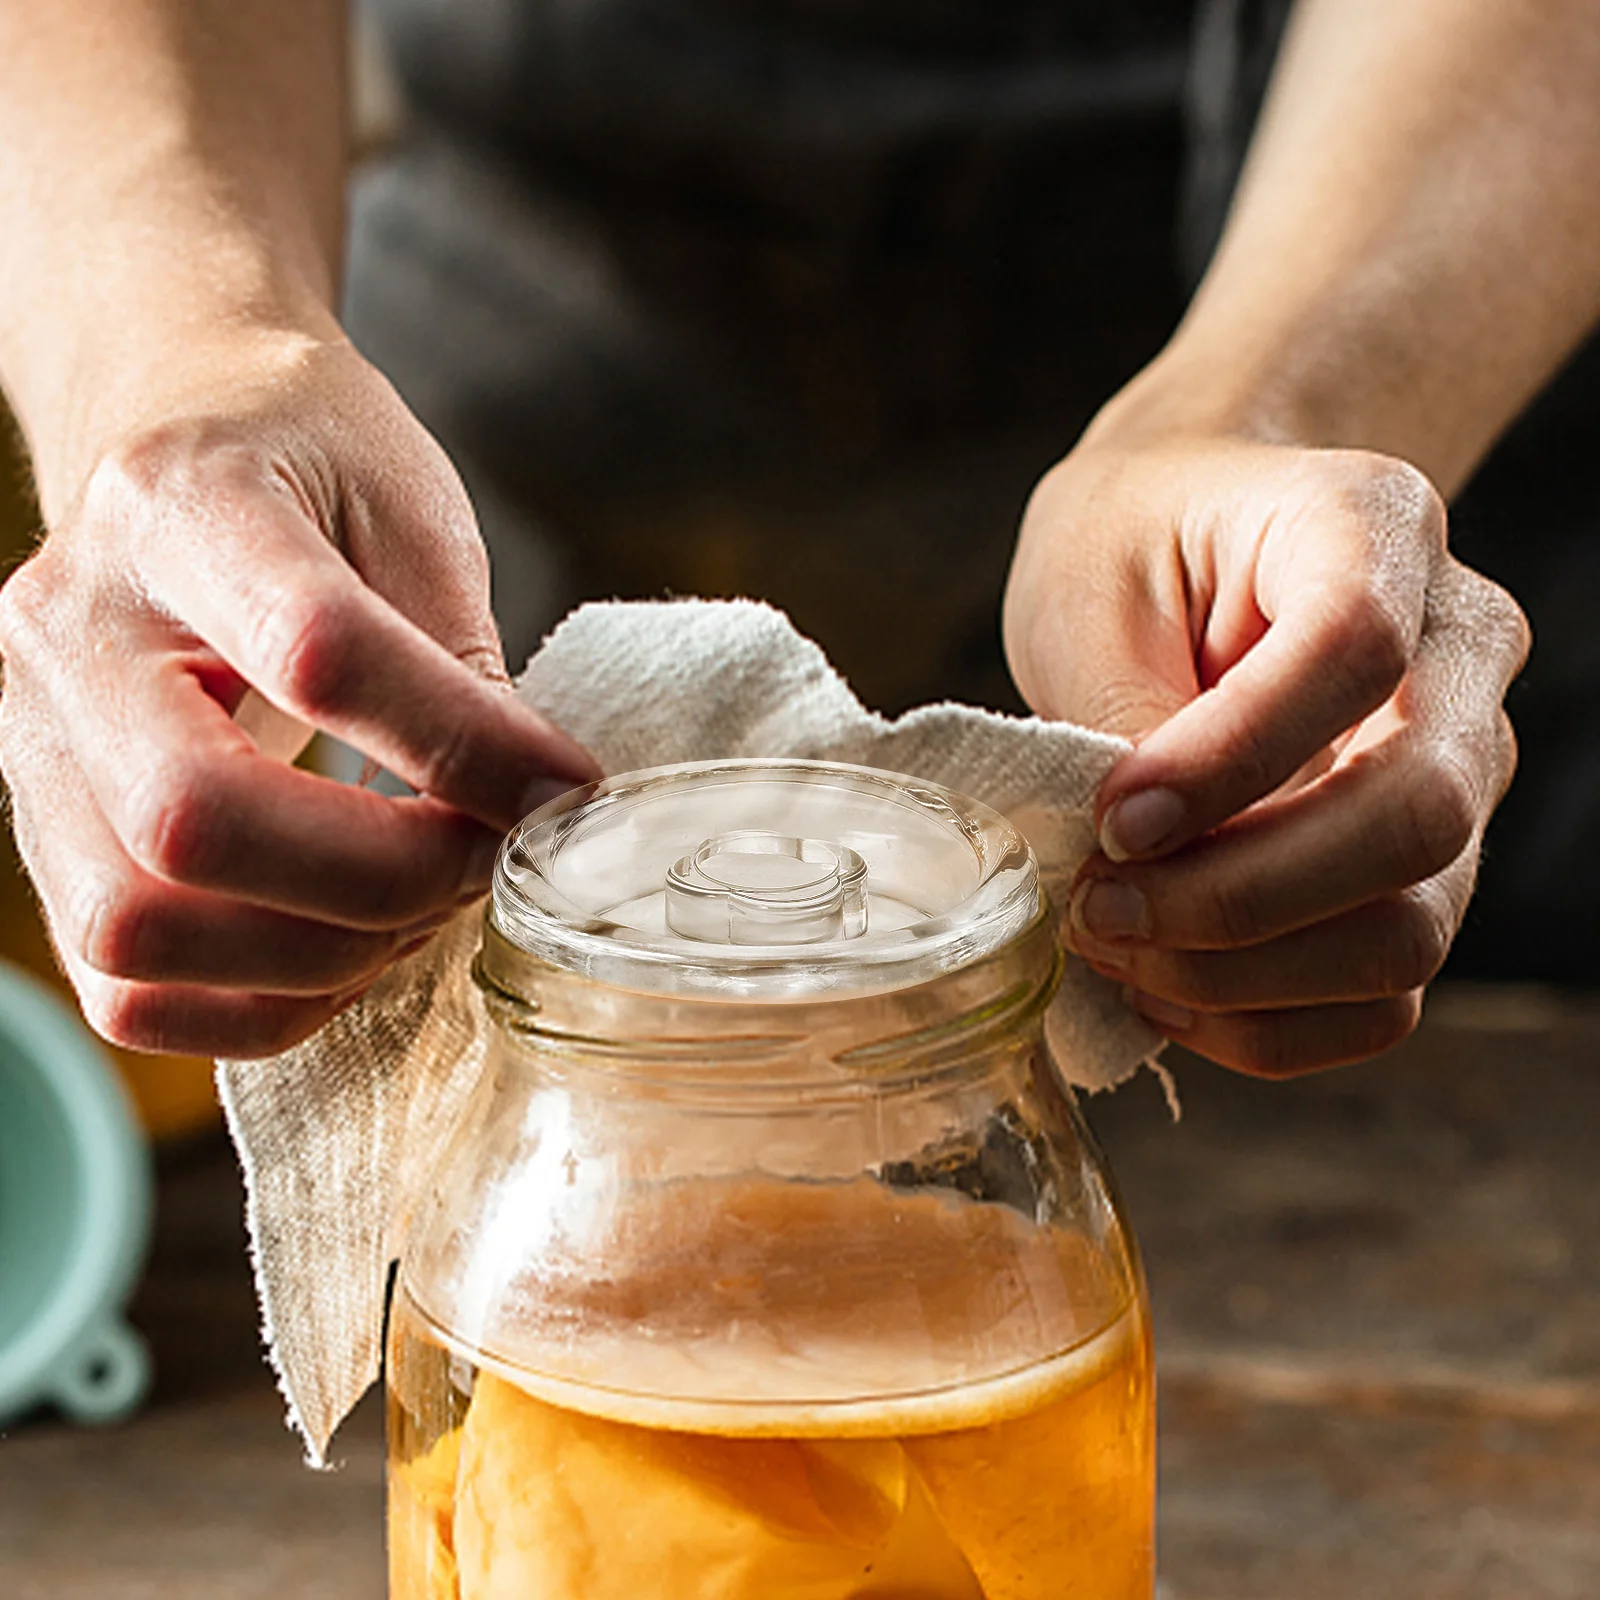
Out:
{"x": 687, "y": 1469}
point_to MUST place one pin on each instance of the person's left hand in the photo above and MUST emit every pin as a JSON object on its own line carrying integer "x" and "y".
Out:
{"x": 1314, "y": 686}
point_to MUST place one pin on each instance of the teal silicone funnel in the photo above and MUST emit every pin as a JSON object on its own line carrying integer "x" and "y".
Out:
{"x": 75, "y": 1193}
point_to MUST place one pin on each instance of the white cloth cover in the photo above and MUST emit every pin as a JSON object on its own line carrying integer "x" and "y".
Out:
{"x": 338, "y": 1136}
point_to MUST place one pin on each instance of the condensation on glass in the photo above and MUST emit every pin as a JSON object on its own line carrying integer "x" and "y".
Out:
{"x": 772, "y": 1260}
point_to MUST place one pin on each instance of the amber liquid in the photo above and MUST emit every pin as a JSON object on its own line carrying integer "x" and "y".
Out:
{"x": 507, "y": 1483}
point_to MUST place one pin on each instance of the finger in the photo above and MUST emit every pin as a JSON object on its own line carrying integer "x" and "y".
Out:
{"x": 192, "y": 801}
{"x": 1475, "y": 642}
{"x": 1375, "y": 825}
{"x": 159, "y": 1017}
{"x": 1340, "y": 584}
{"x": 1285, "y": 1044}
{"x": 1380, "y": 950}
{"x": 173, "y": 1019}
{"x": 1407, "y": 797}
{"x": 290, "y": 615}
{"x": 118, "y": 921}
{"x": 147, "y": 932}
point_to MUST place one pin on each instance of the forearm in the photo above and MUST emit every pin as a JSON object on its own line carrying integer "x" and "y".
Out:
{"x": 1415, "y": 247}
{"x": 168, "y": 168}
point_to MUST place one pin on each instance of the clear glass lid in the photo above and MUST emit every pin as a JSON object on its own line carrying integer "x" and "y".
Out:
{"x": 763, "y": 880}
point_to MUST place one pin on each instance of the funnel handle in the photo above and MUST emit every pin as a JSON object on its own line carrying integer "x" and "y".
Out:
{"x": 106, "y": 1375}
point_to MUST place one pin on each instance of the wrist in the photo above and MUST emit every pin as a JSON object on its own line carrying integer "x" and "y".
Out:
{"x": 1325, "y": 378}
{"x": 151, "y": 347}
{"x": 1187, "y": 393}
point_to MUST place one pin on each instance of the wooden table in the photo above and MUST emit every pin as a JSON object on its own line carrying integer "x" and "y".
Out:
{"x": 1378, "y": 1313}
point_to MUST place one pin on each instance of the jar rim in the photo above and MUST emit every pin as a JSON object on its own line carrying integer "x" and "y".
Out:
{"x": 816, "y": 1048}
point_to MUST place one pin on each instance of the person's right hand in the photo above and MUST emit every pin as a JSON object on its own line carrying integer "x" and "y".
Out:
{"x": 282, "y": 550}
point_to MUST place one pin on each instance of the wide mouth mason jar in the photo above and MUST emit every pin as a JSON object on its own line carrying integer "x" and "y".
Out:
{"x": 771, "y": 1260}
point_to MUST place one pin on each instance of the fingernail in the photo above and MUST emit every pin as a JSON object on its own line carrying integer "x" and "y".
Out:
{"x": 480, "y": 862}
{"x": 1139, "y": 823}
{"x": 1106, "y": 909}
{"x": 1163, "y": 1013}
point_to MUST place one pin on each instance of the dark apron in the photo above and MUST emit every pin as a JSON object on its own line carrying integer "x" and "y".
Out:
{"x": 798, "y": 298}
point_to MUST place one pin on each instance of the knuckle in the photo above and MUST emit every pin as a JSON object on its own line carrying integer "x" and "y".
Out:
{"x": 109, "y": 929}
{"x": 359, "y": 957}
{"x": 25, "y": 608}
{"x": 1046, "y": 497}
{"x": 1391, "y": 1022}
{"x": 1500, "y": 632}
{"x": 335, "y": 959}
{"x": 155, "y": 1018}
{"x": 137, "y": 476}
{"x": 303, "y": 642}
{"x": 1418, "y": 941}
{"x": 1437, "y": 818}
{"x": 129, "y": 1015}
{"x": 1508, "y": 625}
{"x": 189, "y": 470}
{"x": 141, "y": 464}
{"x": 1117, "y": 705}
{"x": 1519, "y": 637}
{"x": 131, "y": 472}
{"x": 1399, "y": 502}
{"x": 168, "y": 461}
{"x": 170, "y": 823}
{"x": 1370, "y": 646}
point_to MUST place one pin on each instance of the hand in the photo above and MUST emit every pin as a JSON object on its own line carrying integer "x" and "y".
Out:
{"x": 284, "y": 549}
{"x": 1314, "y": 686}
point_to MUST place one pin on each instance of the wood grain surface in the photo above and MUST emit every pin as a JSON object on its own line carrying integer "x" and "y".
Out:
{"x": 1378, "y": 1315}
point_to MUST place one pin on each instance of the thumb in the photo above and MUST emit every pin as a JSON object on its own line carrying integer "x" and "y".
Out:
{"x": 418, "y": 546}
{"x": 1120, "y": 662}
{"x": 1342, "y": 589}
{"x": 1133, "y": 671}
{"x": 1123, "y": 667}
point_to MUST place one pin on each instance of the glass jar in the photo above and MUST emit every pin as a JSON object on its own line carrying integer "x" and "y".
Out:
{"x": 771, "y": 1260}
